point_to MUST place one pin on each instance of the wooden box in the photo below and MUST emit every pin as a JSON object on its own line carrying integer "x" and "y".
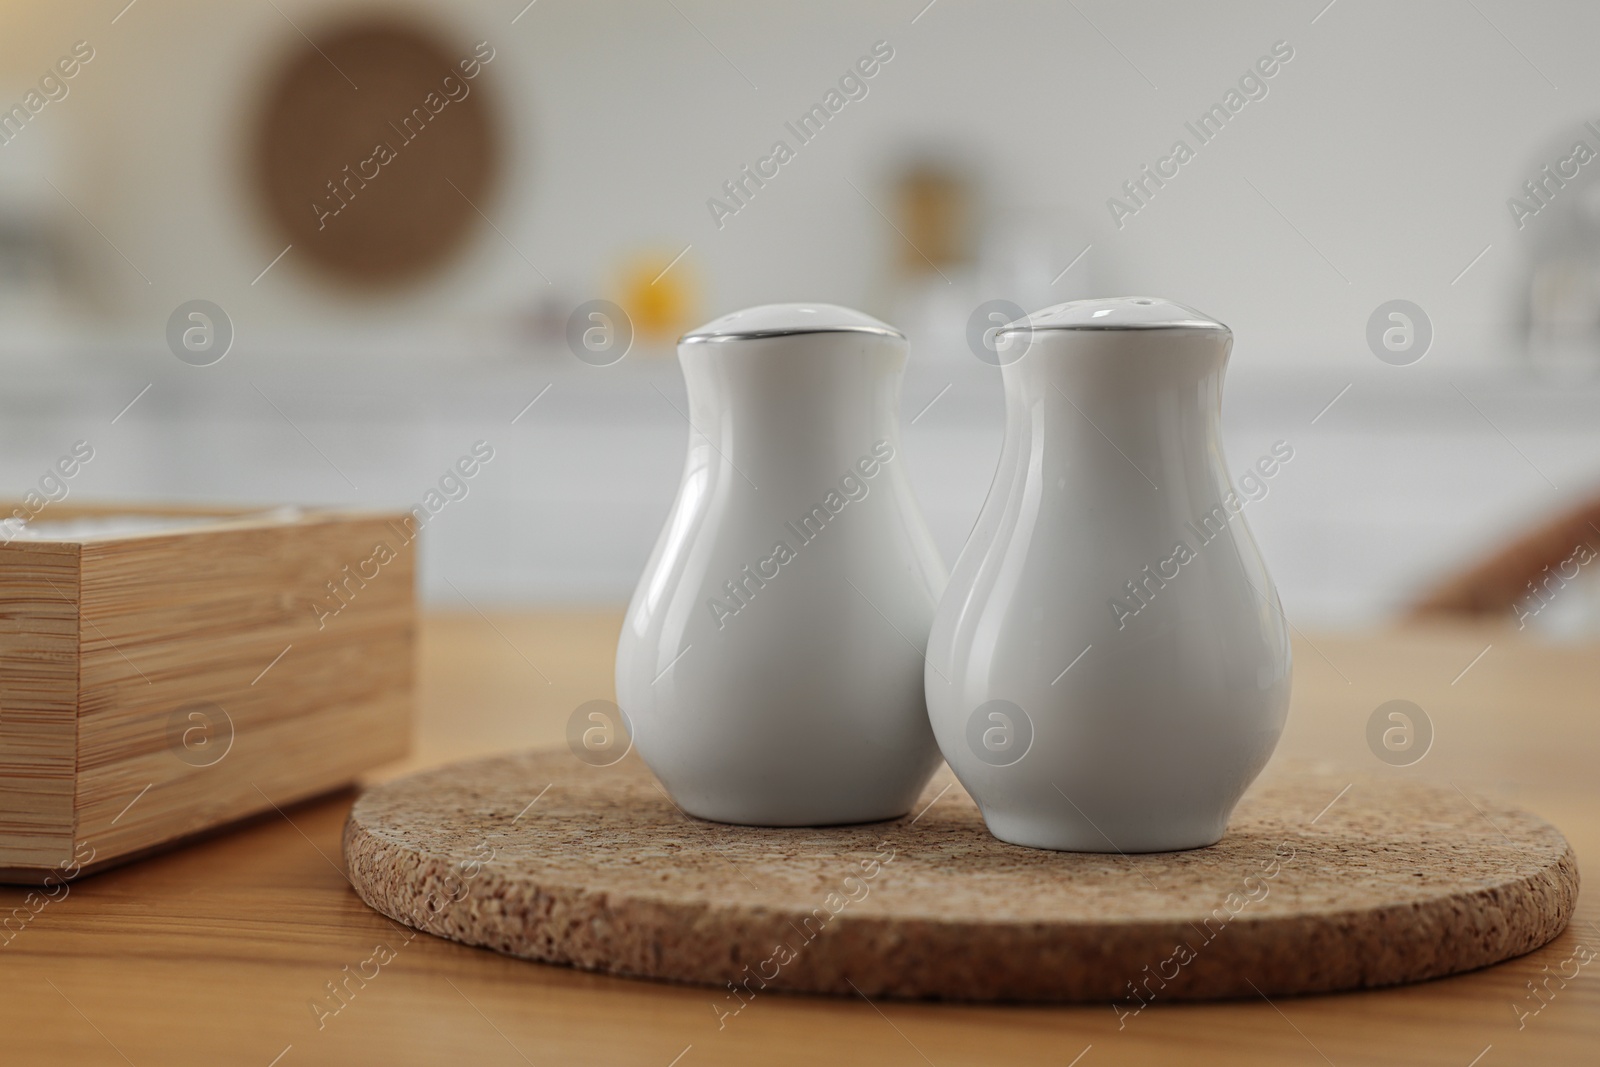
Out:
{"x": 158, "y": 681}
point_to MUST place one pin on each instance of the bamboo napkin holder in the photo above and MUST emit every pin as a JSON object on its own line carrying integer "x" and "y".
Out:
{"x": 165, "y": 671}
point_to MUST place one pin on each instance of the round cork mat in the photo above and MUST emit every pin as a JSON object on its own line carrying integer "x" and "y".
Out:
{"x": 1320, "y": 884}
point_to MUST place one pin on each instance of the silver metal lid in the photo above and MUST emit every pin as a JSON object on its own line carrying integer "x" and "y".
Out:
{"x": 1115, "y": 313}
{"x": 787, "y": 320}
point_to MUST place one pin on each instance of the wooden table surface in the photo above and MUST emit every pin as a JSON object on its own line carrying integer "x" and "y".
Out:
{"x": 216, "y": 954}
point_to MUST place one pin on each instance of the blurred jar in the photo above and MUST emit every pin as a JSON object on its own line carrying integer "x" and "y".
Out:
{"x": 1561, "y": 295}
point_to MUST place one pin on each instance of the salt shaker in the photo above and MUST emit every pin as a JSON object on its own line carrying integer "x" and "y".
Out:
{"x": 771, "y": 661}
{"x": 1109, "y": 668}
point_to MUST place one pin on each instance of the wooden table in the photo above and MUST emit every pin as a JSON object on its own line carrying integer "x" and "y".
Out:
{"x": 216, "y": 953}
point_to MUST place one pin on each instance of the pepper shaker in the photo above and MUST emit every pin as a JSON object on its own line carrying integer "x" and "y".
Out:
{"x": 770, "y": 662}
{"x": 1109, "y": 668}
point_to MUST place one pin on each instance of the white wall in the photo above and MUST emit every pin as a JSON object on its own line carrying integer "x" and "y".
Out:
{"x": 1391, "y": 142}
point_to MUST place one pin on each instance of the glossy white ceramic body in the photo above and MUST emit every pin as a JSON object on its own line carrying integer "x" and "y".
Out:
{"x": 784, "y": 688}
{"x": 1111, "y": 460}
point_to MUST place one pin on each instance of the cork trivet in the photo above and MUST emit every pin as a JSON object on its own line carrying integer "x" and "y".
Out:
{"x": 1315, "y": 887}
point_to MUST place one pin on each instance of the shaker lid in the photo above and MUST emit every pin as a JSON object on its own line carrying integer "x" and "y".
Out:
{"x": 784, "y": 320}
{"x": 1116, "y": 313}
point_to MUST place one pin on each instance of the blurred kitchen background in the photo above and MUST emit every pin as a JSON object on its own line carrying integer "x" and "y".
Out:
{"x": 198, "y": 154}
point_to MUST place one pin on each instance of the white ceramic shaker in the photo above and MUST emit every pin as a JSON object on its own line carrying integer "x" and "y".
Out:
{"x": 771, "y": 660}
{"x": 1109, "y": 667}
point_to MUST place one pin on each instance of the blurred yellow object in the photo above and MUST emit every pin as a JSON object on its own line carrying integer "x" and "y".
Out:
{"x": 659, "y": 294}
{"x": 935, "y": 203}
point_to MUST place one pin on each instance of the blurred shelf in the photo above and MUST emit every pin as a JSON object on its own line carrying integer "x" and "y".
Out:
{"x": 1399, "y": 473}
